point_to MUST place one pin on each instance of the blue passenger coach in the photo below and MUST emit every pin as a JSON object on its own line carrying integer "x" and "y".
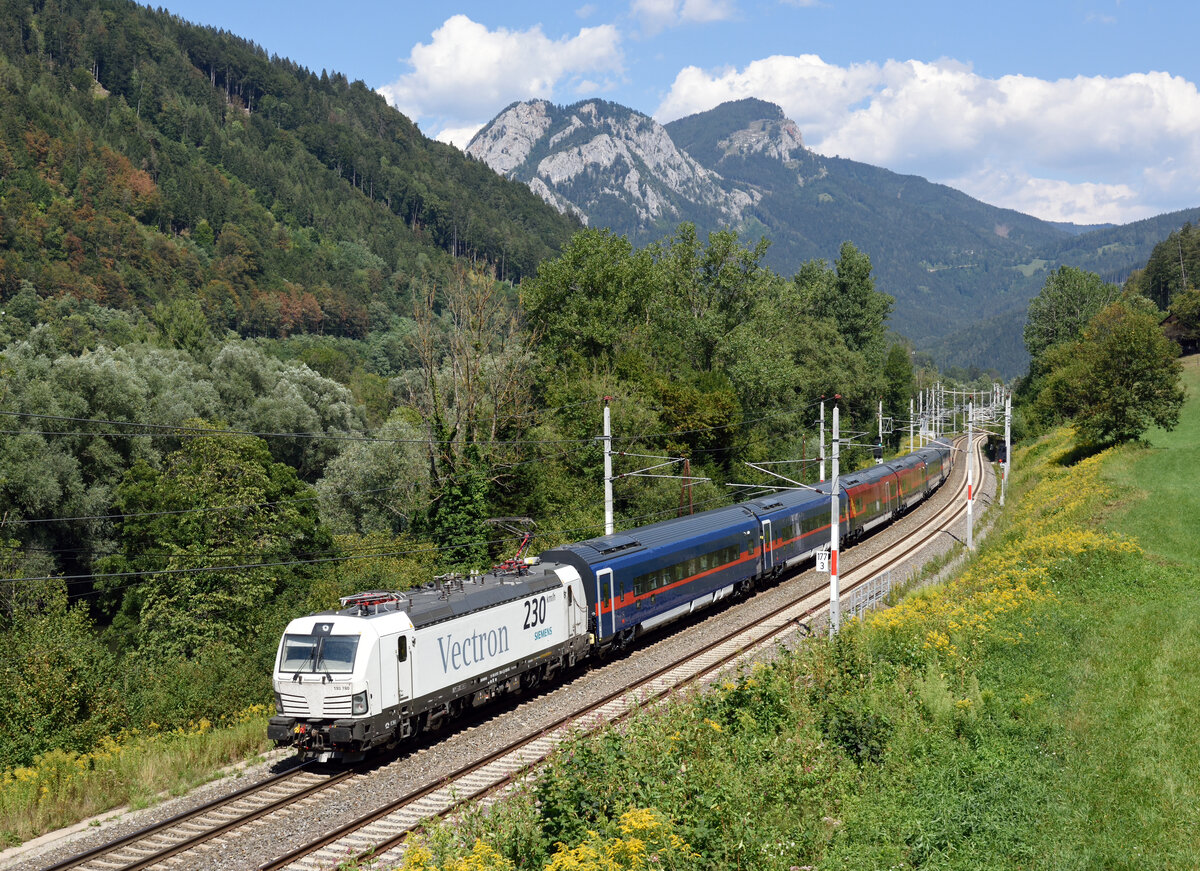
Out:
{"x": 646, "y": 576}
{"x": 641, "y": 578}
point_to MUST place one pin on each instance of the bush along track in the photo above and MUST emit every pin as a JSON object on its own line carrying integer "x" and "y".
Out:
{"x": 959, "y": 729}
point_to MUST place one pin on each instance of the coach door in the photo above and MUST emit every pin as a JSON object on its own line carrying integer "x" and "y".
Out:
{"x": 403, "y": 669}
{"x": 576, "y": 610}
{"x": 604, "y": 597}
{"x": 768, "y": 548}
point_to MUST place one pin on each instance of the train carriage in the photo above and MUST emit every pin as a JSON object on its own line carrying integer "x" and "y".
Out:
{"x": 938, "y": 461}
{"x": 794, "y": 525}
{"x": 639, "y": 579}
{"x": 912, "y": 477}
{"x": 872, "y": 497}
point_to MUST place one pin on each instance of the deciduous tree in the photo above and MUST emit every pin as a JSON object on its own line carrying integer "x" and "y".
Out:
{"x": 219, "y": 504}
{"x": 1120, "y": 379}
{"x": 1068, "y": 300}
{"x": 849, "y": 299}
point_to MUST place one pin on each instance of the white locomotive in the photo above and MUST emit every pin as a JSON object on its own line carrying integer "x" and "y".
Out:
{"x": 387, "y": 665}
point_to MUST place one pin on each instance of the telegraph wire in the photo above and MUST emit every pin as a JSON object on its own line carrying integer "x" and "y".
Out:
{"x": 426, "y": 549}
{"x": 341, "y": 557}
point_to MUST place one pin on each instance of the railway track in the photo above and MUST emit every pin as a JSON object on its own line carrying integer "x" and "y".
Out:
{"x": 162, "y": 841}
{"x": 381, "y": 832}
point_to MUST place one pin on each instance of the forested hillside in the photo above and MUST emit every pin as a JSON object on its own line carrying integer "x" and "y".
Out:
{"x": 147, "y": 161}
{"x": 1157, "y": 255}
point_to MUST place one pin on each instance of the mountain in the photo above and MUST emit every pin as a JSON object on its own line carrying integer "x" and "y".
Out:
{"x": 147, "y": 161}
{"x": 610, "y": 165}
{"x": 951, "y": 262}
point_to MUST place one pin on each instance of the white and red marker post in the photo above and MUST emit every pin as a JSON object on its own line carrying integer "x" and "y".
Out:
{"x": 970, "y": 482}
{"x": 1005, "y": 466}
{"x": 835, "y": 595}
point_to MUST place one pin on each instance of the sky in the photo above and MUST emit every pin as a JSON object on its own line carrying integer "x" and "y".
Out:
{"x": 1070, "y": 110}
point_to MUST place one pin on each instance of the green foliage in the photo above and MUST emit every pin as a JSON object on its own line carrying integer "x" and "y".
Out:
{"x": 379, "y": 485}
{"x": 1122, "y": 378}
{"x": 705, "y": 291}
{"x": 1100, "y": 359}
{"x": 456, "y": 517}
{"x": 1186, "y": 308}
{"x": 56, "y": 679}
{"x": 1070, "y": 298}
{"x": 848, "y": 298}
{"x": 208, "y": 593}
{"x": 899, "y": 388}
{"x": 587, "y": 304}
{"x": 1173, "y": 267}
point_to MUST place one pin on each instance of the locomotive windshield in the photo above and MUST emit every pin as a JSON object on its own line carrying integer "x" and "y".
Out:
{"x": 318, "y": 653}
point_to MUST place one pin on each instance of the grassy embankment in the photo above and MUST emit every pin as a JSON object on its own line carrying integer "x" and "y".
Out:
{"x": 1039, "y": 711}
{"x": 136, "y": 769}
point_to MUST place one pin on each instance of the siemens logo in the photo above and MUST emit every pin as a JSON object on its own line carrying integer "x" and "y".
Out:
{"x": 542, "y": 633}
{"x": 457, "y": 655}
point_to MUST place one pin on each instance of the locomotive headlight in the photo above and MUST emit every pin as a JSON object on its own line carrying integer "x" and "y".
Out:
{"x": 358, "y": 703}
{"x": 278, "y": 703}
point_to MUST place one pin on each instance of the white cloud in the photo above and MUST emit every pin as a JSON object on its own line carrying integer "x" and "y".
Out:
{"x": 704, "y": 11}
{"x": 815, "y": 94}
{"x": 657, "y": 15}
{"x": 466, "y": 73}
{"x": 458, "y": 136}
{"x": 1054, "y": 199}
{"x": 1088, "y": 149}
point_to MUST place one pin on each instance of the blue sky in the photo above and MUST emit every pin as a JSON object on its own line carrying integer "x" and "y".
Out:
{"x": 1081, "y": 110}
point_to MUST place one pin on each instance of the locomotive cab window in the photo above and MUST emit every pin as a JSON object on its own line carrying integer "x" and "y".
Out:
{"x": 318, "y": 653}
{"x": 402, "y": 648}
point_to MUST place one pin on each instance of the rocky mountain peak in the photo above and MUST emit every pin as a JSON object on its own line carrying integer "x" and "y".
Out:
{"x": 506, "y": 142}
{"x": 595, "y": 157}
{"x": 779, "y": 139}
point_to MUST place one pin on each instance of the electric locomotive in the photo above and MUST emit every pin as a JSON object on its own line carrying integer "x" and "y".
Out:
{"x": 387, "y": 665}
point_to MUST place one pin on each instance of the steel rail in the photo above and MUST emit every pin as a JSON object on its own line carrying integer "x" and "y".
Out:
{"x": 107, "y": 856}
